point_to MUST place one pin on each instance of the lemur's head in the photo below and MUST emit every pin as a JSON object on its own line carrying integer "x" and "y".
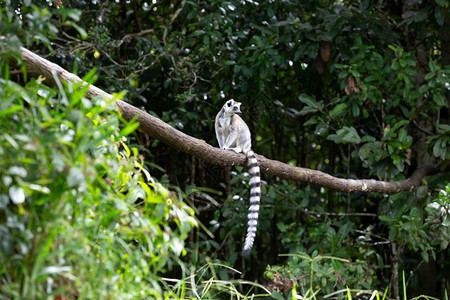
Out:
{"x": 232, "y": 107}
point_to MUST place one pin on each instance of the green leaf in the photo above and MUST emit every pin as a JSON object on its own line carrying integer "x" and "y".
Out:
{"x": 198, "y": 33}
{"x": 439, "y": 15}
{"x": 276, "y": 295}
{"x": 355, "y": 110}
{"x": 239, "y": 168}
{"x": 386, "y": 218}
{"x": 321, "y": 129}
{"x": 74, "y": 14}
{"x": 425, "y": 256}
{"x": 365, "y": 113}
{"x": 439, "y": 99}
{"x": 428, "y": 76}
{"x": 432, "y": 66}
{"x": 393, "y": 48}
{"x": 399, "y": 164}
{"x": 402, "y": 135}
{"x": 10, "y": 110}
{"x": 372, "y": 77}
{"x": 346, "y": 135}
{"x": 398, "y": 125}
{"x": 368, "y": 138}
{"x": 421, "y": 15}
{"x": 282, "y": 227}
{"x": 350, "y": 135}
{"x": 437, "y": 150}
{"x": 130, "y": 128}
{"x": 310, "y": 122}
{"x": 338, "y": 109}
{"x": 78, "y": 28}
{"x": 443, "y": 128}
{"x": 355, "y": 73}
{"x": 308, "y": 100}
{"x": 307, "y": 110}
{"x": 340, "y": 66}
{"x": 406, "y": 112}
{"x": 335, "y": 138}
{"x": 444, "y": 244}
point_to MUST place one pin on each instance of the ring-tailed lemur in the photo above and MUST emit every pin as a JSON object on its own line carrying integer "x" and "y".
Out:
{"x": 233, "y": 134}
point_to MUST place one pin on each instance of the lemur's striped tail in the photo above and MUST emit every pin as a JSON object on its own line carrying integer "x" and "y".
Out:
{"x": 255, "y": 196}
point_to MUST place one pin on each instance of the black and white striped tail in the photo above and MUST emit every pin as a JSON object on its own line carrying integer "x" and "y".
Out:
{"x": 255, "y": 196}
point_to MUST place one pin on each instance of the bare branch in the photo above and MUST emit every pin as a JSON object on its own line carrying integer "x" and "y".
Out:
{"x": 132, "y": 35}
{"x": 162, "y": 131}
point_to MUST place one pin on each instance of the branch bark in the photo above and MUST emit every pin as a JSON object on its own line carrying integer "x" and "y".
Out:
{"x": 162, "y": 131}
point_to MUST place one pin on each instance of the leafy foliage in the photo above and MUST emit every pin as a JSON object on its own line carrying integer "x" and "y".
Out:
{"x": 69, "y": 187}
{"x": 357, "y": 89}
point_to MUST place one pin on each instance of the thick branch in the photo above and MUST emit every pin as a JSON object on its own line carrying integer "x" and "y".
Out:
{"x": 156, "y": 128}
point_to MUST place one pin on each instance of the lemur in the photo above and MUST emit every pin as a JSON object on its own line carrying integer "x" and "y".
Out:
{"x": 233, "y": 134}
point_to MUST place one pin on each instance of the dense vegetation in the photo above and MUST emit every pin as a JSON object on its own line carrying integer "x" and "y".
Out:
{"x": 92, "y": 208}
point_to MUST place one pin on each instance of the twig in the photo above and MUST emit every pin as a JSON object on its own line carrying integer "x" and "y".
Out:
{"x": 175, "y": 15}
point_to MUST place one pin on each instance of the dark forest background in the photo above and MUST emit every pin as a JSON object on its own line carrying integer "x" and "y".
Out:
{"x": 356, "y": 89}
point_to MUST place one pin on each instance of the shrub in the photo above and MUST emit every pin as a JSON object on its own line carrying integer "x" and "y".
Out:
{"x": 79, "y": 213}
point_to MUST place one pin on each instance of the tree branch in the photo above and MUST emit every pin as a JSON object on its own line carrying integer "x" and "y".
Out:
{"x": 162, "y": 131}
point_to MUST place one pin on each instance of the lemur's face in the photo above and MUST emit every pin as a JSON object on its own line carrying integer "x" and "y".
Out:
{"x": 232, "y": 107}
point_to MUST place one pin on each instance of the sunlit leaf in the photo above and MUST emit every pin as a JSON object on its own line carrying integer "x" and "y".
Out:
{"x": 129, "y": 128}
{"x": 75, "y": 177}
{"x": 17, "y": 194}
